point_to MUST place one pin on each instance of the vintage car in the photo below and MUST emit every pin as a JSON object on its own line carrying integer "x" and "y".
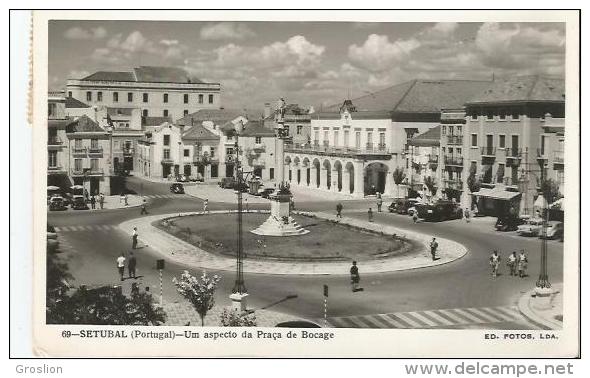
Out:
{"x": 402, "y": 205}
{"x": 508, "y": 223}
{"x": 532, "y": 227}
{"x": 79, "y": 203}
{"x": 554, "y": 230}
{"x": 177, "y": 188}
{"x": 57, "y": 203}
{"x": 439, "y": 211}
{"x": 227, "y": 183}
{"x": 266, "y": 192}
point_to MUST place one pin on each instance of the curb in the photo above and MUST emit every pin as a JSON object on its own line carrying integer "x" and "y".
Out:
{"x": 530, "y": 314}
{"x": 202, "y": 259}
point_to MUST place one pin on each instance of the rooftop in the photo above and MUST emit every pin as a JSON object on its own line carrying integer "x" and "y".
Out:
{"x": 218, "y": 116}
{"x": 198, "y": 132}
{"x": 522, "y": 88}
{"x": 430, "y": 137}
{"x": 154, "y": 121}
{"x": 146, "y": 74}
{"x": 83, "y": 124}
{"x": 377, "y": 114}
{"x": 73, "y": 103}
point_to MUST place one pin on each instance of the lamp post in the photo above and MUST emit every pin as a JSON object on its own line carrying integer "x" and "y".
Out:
{"x": 239, "y": 291}
{"x": 543, "y": 280}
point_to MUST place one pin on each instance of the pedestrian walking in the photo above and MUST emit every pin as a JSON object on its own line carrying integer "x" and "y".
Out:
{"x": 379, "y": 202}
{"x": 495, "y": 263}
{"x": 86, "y": 195}
{"x": 433, "y": 248}
{"x": 121, "y": 265}
{"x": 131, "y": 265}
{"x": 467, "y": 215}
{"x": 206, "y": 205}
{"x": 122, "y": 198}
{"x": 355, "y": 277}
{"x": 512, "y": 263}
{"x": 522, "y": 264}
{"x": 93, "y": 202}
{"x": 101, "y": 200}
{"x": 134, "y": 238}
{"x": 126, "y": 200}
{"x": 246, "y": 204}
{"x": 370, "y": 213}
{"x": 415, "y": 216}
{"x": 143, "y": 207}
{"x": 339, "y": 210}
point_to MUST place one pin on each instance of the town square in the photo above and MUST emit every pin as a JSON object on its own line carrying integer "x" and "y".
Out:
{"x": 410, "y": 177}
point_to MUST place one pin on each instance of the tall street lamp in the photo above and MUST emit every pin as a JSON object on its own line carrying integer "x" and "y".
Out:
{"x": 543, "y": 289}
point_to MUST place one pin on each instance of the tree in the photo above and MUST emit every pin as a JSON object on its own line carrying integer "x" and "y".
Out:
{"x": 550, "y": 190}
{"x": 232, "y": 318}
{"x": 473, "y": 183}
{"x": 430, "y": 183}
{"x": 398, "y": 177}
{"x": 199, "y": 291}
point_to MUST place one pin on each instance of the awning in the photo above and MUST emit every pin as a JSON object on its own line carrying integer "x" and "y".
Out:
{"x": 496, "y": 193}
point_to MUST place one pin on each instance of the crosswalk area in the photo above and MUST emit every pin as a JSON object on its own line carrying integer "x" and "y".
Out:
{"x": 93, "y": 227}
{"x": 154, "y": 196}
{"x": 443, "y": 318}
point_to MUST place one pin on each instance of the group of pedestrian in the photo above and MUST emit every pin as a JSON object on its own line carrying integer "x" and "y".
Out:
{"x": 517, "y": 265}
{"x": 131, "y": 265}
{"x": 93, "y": 199}
{"x": 124, "y": 199}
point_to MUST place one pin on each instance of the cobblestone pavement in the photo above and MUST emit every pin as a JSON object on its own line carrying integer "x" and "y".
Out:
{"x": 185, "y": 253}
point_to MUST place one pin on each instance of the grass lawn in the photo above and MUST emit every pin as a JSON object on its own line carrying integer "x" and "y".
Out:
{"x": 217, "y": 233}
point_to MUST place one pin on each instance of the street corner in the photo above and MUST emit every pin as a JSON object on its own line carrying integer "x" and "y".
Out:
{"x": 543, "y": 307}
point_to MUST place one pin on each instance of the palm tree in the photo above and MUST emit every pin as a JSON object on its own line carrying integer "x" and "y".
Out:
{"x": 398, "y": 177}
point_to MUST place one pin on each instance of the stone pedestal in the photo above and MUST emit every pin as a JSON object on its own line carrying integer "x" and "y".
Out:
{"x": 542, "y": 299}
{"x": 239, "y": 301}
{"x": 280, "y": 223}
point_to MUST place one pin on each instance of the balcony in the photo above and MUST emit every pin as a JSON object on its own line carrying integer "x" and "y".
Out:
{"x": 380, "y": 151}
{"x": 87, "y": 172}
{"x": 455, "y": 161}
{"x": 433, "y": 159}
{"x": 456, "y": 184}
{"x": 541, "y": 153}
{"x": 54, "y": 142}
{"x": 55, "y": 169}
{"x": 259, "y": 147}
{"x": 455, "y": 139}
{"x": 509, "y": 181}
{"x": 167, "y": 161}
{"x": 488, "y": 151}
{"x": 128, "y": 151}
{"x": 95, "y": 151}
{"x": 258, "y": 164}
{"x": 79, "y": 151}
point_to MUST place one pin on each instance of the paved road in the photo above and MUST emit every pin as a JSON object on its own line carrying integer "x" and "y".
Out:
{"x": 93, "y": 243}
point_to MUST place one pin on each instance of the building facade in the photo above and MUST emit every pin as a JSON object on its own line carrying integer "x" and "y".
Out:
{"x": 156, "y": 91}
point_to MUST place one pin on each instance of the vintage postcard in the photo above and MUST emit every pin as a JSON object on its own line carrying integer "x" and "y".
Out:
{"x": 306, "y": 183}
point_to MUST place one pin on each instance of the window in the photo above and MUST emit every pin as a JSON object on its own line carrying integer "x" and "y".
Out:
{"x": 212, "y": 152}
{"x": 502, "y": 141}
{"x": 450, "y": 151}
{"x": 258, "y": 140}
{"x": 187, "y": 152}
{"x": 115, "y": 96}
{"x": 459, "y": 152}
{"x": 271, "y": 172}
{"x": 382, "y": 139}
{"x": 165, "y": 99}
{"x": 130, "y": 97}
{"x": 165, "y": 113}
{"x": 127, "y": 125}
{"x": 515, "y": 115}
{"x": 326, "y": 137}
{"x": 357, "y": 139}
{"x": 299, "y": 129}
{"x": 186, "y": 99}
{"x": 473, "y": 140}
{"x": 346, "y": 137}
{"x": 52, "y": 109}
{"x": 94, "y": 164}
{"x": 490, "y": 115}
{"x": 166, "y": 140}
{"x": 185, "y": 112}
{"x": 77, "y": 164}
{"x": 88, "y": 96}
{"x": 316, "y": 137}
{"x": 336, "y": 139}
{"x": 116, "y": 144}
{"x": 200, "y": 99}
{"x": 474, "y": 116}
{"x": 166, "y": 152}
{"x": 229, "y": 151}
{"x": 210, "y": 98}
{"x": 78, "y": 143}
{"x": 459, "y": 130}
{"x": 52, "y": 159}
{"x": 502, "y": 114}
{"x": 444, "y": 130}
{"x": 369, "y": 138}
{"x": 145, "y": 97}
{"x": 145, "y": 112}
{"x": 69, "y": 93}
{"x": 99, "y": 96}
{"x": 93, "y": 143}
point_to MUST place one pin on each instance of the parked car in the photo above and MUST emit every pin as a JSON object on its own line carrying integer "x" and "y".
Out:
{"x": 554, "y": 230}
{"x": 57, "y": 203}
{"x": 243, "y": 187}
{"x": 531, "y": 227}
{"x": 402, "y": 205}
{"x": 79, "y": 203}
{"x": 439, "y": 211}
{"x": 197, "y": 178}
{"x": 52, "y": 242}
{"x": 181, "y": 178}
{"x": 266, "y": 192}
{"x": 508, "y": 223}
{"x": 177, "y": 188}
{"x": 227, "y": 183}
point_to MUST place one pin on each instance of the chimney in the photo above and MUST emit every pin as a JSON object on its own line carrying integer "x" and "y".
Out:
{"x": 266, "y": 109}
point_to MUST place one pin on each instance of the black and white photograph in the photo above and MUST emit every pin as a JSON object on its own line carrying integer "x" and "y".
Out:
{"x": 382, "y": 176}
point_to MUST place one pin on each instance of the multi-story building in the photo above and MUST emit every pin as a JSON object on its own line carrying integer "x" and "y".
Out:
{"x": 157, "y": 91}
{"x": 356, "y": 146}
{"x": 161, "y": 151}
{"x": 258, "y": 145}
{"x": 505, "y": 140}
{"x": 422, "y": 162}
{"x": 126, "y": 129}
{"x": 297, "y": 121}
{"x": 57, "y": 151}
{"x": 201, "y": 146}
{"x": 451, "y": 159}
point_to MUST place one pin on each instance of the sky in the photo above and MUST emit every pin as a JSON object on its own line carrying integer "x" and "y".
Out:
{"x": 309, "y": 63}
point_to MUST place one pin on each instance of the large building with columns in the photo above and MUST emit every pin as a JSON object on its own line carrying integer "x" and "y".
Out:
{"x": 355, "y": 146}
